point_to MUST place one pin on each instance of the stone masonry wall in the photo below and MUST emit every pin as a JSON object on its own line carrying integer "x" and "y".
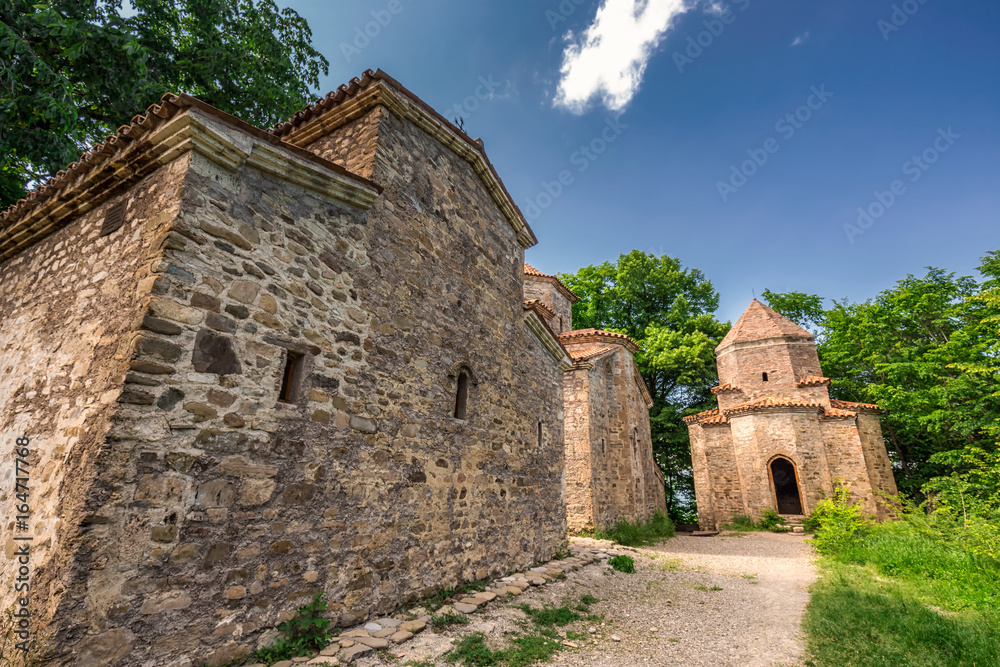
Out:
{"x": 215, "y": 509}
{"x": 877, "y": 460}
{"x": 582, "y": 453}
{"x": 69, "y": 308}
{"x": 554, "y": 300}
{"x": 623, "y": 481}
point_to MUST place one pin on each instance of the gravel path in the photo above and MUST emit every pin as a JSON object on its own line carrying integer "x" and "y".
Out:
{"x": 726, "y": 600}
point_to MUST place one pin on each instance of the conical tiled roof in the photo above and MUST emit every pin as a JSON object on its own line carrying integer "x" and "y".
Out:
{"x": 759, "y": 322}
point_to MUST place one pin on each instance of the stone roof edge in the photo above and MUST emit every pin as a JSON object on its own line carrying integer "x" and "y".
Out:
{"x": 352, "y": 100}
{"x": 775, "y": 406}
{"x": 537, "y": 326}
{"x": 643, "y": 389}
{"x": 539, "y": 307}
{"x": 164, "y": 134}
{"x": 598, "y": 336}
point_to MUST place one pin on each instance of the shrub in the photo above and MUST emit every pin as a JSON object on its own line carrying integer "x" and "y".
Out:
{"x": 622, "y": 563}
{"x": 306, "y": 633}
{"x": 836, "y": 522}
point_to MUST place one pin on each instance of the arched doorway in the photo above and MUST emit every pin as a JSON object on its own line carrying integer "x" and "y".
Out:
{"x": 786, "y": 486}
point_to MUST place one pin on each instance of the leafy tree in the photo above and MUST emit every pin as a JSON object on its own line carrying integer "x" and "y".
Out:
{"x": 806, "y": 310}
{"x": 72, "y": 71}
{"x": 669, "y": 311}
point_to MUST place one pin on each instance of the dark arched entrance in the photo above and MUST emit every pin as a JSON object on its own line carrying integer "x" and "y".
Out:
{"x": 786, "y": 487}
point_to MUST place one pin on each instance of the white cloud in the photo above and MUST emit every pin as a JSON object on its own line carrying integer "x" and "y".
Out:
{"x": 606, "y": 62}
{"x": 801, "y": 39}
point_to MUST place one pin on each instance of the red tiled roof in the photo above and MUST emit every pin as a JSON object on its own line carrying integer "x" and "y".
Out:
{"x": 535, "y": 304}
{"x": 834, "y": 413}
{"x": 726, "y": 389}
{"x": 694, "y": 419}
{"x": 769, "y": 402}
{"x": 813, "y": 381}
{"x": 584, "y": 355}
{"x": 598, "y": 336}
{"x": 849, "y": 405}
{"x": 531, "y": 271}
{"x": 759, "y": 322}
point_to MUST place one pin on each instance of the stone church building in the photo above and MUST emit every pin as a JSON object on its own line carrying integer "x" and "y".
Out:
{"x": 778, "y": 441}
{"x": 256, "y": 365}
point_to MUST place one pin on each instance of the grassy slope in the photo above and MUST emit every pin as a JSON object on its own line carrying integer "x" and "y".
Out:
{"x": 902, "y": 597}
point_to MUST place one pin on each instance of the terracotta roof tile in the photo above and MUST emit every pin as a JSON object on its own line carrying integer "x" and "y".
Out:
{"x": 584, "y": 355}
{"x": 770, "y": 402}
{"x": 849, "y": 405}
{"x": 535, "y": 304}
{"x": 726, "y": 389}
{"x": 814, "y": 381}
{"x": 531, "y": 271}
{"x": 759, "y": 322}
{"x": 834, "y": 413}
{"x": 598, "y": 336}
{"x": 695, "y": 419}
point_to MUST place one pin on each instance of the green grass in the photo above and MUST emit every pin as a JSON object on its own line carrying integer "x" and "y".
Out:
{"x": 856, "y": 619}
{"x": 472, "y": 651}
{"x": 922, "y": 591}
{"x": 657, "y": 529}
{"x": 550, "y": 616}
{"x": 622, "y": 563}
{"x": 769, "y": 521}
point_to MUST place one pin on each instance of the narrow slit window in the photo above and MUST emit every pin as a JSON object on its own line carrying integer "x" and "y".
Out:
{"x": 539, "y": 432}
{"x": 462, "y": 396}
{"x": 289, "y": 379}
{"x": 765, "y": 377}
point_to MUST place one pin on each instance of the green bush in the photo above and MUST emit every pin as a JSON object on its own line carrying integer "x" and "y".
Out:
{"x": 770, "y": 520}
{"x": 622, "y": 563}
{"x": 307, "y": 632}
{"x": 629, "y": 534}
{"x": 837, "y": 523}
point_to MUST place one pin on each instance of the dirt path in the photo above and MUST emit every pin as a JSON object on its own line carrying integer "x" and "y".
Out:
{"x": 728, "y": 600}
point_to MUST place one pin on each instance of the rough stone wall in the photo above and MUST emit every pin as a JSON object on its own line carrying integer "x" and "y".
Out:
{"x": 786, "y": 363}
{"x": 353, "y": 145}
{"x": 552, "y": 299}
{"x": 846, "y": 459}
{"x": 216, "y": 509}
{"x": 69, "y": 307}
{"x": 582, "y": 452}
{"x": 623, "y": 483}
{"x": 876, "y": 460}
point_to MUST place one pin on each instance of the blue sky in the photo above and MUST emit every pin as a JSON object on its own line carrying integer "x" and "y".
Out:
{"x": 669, "y": 106}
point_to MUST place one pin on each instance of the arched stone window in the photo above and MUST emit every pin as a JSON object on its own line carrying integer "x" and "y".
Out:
{"x": 464, "y": 379}
{"x": 462, "y": 395}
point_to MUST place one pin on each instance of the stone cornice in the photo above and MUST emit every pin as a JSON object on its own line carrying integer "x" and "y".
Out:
{"x": 135, "y": 153}
{"x": 544, "y": 335}
{"x": 382, "y": 90}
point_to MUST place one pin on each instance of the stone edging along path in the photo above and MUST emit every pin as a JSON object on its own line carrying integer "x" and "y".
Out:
{"x": 362, "y": 640}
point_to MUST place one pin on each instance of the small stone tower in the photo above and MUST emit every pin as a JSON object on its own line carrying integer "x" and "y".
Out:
{"x": 778, "y": 441}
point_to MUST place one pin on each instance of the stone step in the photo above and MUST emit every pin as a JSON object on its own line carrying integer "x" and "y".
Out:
{"x": 793, "y": 519}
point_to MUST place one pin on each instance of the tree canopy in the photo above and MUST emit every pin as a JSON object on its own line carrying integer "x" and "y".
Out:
{"x": 927, "y": 351}
{"x": 669, "y": 310}
{"x": 72, "y": 71}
